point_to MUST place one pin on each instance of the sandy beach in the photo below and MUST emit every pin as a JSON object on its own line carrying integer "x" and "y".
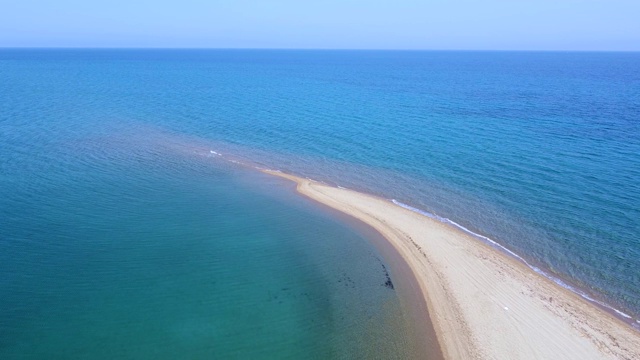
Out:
{"x": 483, "y": 303}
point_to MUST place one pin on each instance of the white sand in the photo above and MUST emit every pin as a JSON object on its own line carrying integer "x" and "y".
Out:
{"x": 484, "y": 304}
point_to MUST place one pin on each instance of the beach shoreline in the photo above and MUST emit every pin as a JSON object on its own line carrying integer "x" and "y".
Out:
{"x": 421, "y": 336}
{"x": 481, "y": 302}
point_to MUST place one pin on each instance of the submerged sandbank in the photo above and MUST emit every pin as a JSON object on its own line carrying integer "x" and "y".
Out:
{"x": 482, "y": 303}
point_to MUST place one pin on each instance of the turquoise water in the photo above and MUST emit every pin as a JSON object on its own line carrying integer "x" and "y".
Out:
{"x": 146, "y": 250}
{"x": 539, "y": 152}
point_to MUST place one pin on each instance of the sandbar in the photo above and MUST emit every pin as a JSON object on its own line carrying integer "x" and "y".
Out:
{"x": 482, "y": 303}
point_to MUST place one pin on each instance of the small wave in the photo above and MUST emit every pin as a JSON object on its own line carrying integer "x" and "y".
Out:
{"x": 558, "y": 281}
{"x": 215, "y": 153}
{"x": 267, "y": 169}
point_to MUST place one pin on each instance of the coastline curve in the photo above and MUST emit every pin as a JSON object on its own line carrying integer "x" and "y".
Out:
{"x": 482, "y": 302}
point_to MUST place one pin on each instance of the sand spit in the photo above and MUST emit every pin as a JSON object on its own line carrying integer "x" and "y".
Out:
{"x": 484, "y": 304}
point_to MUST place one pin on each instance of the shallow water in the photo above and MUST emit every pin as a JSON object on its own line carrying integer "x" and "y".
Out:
{"x": 120, "y": 249}
{"x": 537, "y": 151}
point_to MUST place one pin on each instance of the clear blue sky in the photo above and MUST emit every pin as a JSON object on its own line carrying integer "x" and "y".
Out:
{"x": 337, "y": 24}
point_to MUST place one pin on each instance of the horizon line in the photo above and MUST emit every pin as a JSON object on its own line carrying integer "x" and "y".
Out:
{"x": 297, "y": 49}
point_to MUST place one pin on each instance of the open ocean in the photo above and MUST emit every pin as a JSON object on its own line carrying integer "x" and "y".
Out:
{"x": 124, "y": 233}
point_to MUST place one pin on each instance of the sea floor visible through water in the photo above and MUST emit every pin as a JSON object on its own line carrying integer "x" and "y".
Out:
{"x": 120, "y": 249}
{"x": 536, "y": 151}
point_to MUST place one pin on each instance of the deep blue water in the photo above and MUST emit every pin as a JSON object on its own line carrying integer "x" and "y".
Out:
{"x": 537, "y": 151}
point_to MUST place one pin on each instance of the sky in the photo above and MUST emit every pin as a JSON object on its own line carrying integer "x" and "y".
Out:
{"x": 610, "y": 25}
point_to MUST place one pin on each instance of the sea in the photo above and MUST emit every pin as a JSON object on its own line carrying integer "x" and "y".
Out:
{"x": 134, "y": 222}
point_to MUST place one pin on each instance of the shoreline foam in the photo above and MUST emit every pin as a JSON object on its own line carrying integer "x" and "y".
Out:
{"x": 482, "y": 302}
